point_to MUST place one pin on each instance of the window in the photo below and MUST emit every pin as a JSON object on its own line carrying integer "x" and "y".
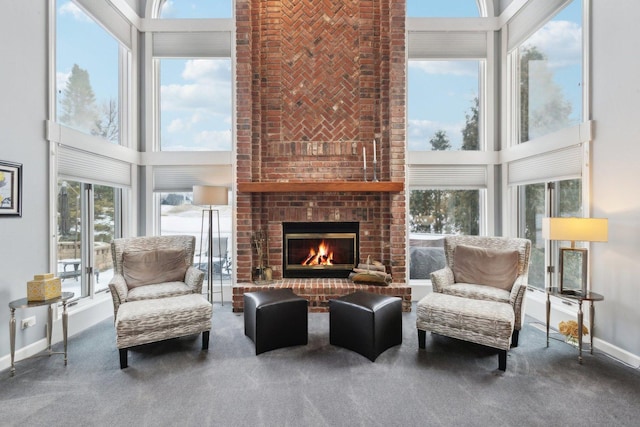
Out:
{"x": 444, "y": 212}
{"x": 442, "y": 8}
{"x": 174, "y": 9}
{"x": 87, "y": 74}
{"x": 551, "y": 75}
{"x": 84, "y": 258}
{"x": 179, "y": 217}
{"x": 443, "y": 105}
{"x": 195, "y": 104}
{"x": 91, "y": 100}
{"x": 434, "y": 214}
{"x": 539, "y": 200}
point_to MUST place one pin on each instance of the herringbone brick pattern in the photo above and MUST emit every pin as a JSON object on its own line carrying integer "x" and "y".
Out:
{"x": 320, "y": 70}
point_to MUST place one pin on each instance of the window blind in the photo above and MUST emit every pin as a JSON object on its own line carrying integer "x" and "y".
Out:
{"x": 551, "y": 166}
{"x": 110, "y": 19}
{"x": 192, "y": 44}
{"x": 183, "y": 178}
{"x": 530, "y": 18}
{"x": 451, "y": 44}
{"x": 447, "y": 176}
{"x": 88, "y": 167}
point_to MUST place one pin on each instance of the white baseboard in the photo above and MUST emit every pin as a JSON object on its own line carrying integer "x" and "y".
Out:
{"x": 617, "y": 353}
{"x": 535, "y": 307}
{"x": 420, "y": 288}
{"x": 83, "y": 315}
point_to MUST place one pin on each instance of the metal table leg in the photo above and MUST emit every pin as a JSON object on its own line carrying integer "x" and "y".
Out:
{"x": 12, "y": 338}
{"x": 65, "y": 322}
{"x": 580, "y": 319}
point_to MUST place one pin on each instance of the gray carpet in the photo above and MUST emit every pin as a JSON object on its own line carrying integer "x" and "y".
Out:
{"x": 450, "y": 383}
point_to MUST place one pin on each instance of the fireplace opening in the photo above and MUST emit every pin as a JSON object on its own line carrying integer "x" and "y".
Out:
{"x": 311, "y": 249}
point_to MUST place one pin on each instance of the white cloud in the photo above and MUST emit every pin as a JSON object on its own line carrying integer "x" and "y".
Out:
{"x": 456, "y": 68}
{"x": 176, "y": 125}
{"x": 213, "y": 140}
{"x": 206, "y": 69}
{"x": 208, "y": 88}
{"x": 560, "y": 42}
{"x": 78, "y": 14}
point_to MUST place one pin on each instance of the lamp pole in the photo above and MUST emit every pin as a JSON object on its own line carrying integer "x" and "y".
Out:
{"x": 210, "y": 254}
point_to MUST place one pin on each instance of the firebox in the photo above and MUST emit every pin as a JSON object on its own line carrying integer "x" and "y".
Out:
{"x": 326, "y": 249}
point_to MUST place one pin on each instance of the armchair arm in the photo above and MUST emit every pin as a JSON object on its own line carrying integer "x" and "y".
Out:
{"x": 517, "y": 300}
{"x": 194, "y": 279}
{"x": 119, "y": 290}
{"x": 442, "y": 278}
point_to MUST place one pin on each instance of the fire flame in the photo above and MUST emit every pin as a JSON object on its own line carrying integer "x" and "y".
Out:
{"x": 323, "y": 256}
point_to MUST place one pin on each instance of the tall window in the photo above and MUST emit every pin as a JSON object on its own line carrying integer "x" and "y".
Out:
{"x": 87, "y": 70}
{"x": 89, "y": 65}
{"x": 195, "y": 104}
{"x": 551, "y": 75}
{"x": 443, "y": 101}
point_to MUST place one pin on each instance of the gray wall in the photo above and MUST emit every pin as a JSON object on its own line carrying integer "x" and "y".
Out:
{"x": 24, "y": 244}
{"x": 616, "y": 170}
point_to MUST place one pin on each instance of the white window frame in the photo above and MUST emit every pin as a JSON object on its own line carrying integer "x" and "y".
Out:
{"x": 94, "y": 156}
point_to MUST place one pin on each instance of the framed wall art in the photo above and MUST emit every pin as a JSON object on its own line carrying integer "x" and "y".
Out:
{"x": 10, "y": 189}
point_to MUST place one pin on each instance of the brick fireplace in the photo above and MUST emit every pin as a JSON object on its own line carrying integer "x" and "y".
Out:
{"x": 313, "y": 92}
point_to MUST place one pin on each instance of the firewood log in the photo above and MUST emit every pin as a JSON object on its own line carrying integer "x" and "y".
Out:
{"x": 372, "y": 266}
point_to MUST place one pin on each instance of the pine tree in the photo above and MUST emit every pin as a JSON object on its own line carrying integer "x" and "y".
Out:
{"x": 544, "y": 110}
{"x": 466, "y": 206}
{"x": 428, "y": 208}
{"x": 78, "y": 102}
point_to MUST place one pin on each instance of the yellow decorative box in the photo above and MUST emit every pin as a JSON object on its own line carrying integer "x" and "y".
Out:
{"x": 43, "y": 287}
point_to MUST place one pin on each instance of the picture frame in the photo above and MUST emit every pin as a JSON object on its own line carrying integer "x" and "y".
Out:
{"x": 10, "y": 189}
{"x": 573, "y": 271}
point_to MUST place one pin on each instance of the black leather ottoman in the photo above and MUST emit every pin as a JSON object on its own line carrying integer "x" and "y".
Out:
{"x": 366, "y": 323}
{"x": 275, "y": 318}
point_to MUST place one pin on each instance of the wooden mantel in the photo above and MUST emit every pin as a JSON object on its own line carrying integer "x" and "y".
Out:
{"x": 320, "y": 187}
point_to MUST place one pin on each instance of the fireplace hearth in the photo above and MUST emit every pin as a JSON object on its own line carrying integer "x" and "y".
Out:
{"x": 319, "y": 250}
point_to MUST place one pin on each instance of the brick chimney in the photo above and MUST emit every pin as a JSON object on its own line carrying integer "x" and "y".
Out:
{"x": 317, "y": 81}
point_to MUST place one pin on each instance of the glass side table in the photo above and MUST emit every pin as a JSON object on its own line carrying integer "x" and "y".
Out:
{"x": 590, "y": 297}
{"x": 25, "y": 303}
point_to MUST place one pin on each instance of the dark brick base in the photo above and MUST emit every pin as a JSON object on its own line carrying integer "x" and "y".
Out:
{"x": 319, "y": 291}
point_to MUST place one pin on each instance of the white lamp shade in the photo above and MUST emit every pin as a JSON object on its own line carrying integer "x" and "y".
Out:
{"x": 210, "y": 195}
{"x": 575, "y": 229}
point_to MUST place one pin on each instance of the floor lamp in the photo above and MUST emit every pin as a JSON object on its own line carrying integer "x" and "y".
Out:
{"x": 206, "y": 195}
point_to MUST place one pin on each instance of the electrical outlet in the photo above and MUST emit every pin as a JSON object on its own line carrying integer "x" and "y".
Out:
{"x": 28, "y": 322}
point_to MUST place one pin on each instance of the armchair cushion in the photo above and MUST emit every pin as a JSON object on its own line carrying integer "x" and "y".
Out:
{"x": 485, "y": 266}
{"x": 158, "y": 290}
{"x": 155, "y": 266}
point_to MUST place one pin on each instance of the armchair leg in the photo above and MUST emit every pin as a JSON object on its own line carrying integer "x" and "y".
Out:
{"x": 502, "y": 360}
{"x": 205, "y": 340}
{"x": 123, "y": 358}
{"x": 422, "y": 337}
{"x": 514, "y": 338}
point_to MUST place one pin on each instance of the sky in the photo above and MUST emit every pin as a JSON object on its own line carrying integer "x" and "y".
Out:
{"x": 196, "y": 94}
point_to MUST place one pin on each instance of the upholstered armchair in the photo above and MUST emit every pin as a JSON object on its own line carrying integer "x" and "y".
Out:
{"x": 153, "y": 267}
{"x": 486, "y": 268}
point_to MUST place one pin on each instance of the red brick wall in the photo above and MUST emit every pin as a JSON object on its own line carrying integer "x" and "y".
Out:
{"x": 317, "y": 81}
